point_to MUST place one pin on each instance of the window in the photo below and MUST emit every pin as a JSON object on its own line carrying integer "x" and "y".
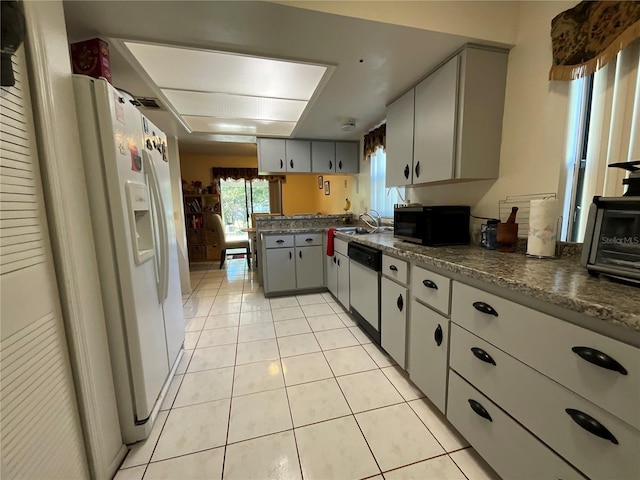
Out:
{"x": 604, "y": 126}
{"x": 382, "y": 199}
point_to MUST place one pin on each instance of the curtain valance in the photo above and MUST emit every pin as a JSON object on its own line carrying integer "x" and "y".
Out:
{"x": 374, "y": 139}
{"x": 587, "y": 36}
{"x": 243, "y": 173}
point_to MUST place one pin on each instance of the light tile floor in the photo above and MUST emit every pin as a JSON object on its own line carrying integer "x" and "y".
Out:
{"x": 290, "y": 387}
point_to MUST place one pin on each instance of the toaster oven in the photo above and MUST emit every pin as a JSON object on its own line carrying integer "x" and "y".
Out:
{"x": 612, "y": 238}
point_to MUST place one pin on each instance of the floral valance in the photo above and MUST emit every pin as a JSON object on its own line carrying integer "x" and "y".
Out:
{"x": 374, "y": 139}
{"x": 243, "y": 173}
{"x": 589, "y": 35}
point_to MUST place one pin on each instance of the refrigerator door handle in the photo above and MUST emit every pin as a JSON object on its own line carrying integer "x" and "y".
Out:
{"x": 163, "y": 264}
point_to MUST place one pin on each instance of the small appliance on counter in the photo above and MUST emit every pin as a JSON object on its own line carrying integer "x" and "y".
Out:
{"x": 612, "y": 238}
{"x": 432, "y": 225}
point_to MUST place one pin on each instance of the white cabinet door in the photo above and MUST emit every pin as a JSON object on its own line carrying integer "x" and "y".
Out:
{"x": 436, "y": 103}
{"x": 428, "y": 345}
{"x": 271, "y": 155}
{"x": 343, "y": 280}
{"x": 347, "y": 157}
{"x": 323, "y": 157}
{"x": 400, "y": 141}
{"x": 298, "y": 156}
{"x": 393, "y": 329}
{"x": 332, "y": 274}
{"x": 281, "y": 269}
{"x": 309, "y": 267}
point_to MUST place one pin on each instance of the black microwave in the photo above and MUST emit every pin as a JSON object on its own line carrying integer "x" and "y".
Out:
{"x": 432, "y": 225}
{"x": 612, "y": 238}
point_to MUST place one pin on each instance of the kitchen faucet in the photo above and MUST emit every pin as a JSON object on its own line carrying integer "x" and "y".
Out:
{"x": 375, "y": 221}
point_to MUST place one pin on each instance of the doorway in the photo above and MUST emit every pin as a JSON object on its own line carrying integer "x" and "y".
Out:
{"x": 240, "y": 198}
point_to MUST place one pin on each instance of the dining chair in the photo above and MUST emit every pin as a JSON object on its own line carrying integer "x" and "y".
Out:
{"x": 229, "y": 244}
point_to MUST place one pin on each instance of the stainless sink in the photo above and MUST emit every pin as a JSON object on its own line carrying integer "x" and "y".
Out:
{"x": 353, "y": 230}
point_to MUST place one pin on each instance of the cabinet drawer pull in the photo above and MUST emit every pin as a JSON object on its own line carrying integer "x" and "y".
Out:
{"x": 290, "y": 255}
{"x": 479, "y": 409}
{"x": 338, "y": 262}
{"x": 280, "y": 241}
{"x": 330, "y": 165}
{"x": 308, "y": 239}
{"x": 334, "y": 259}
{"x": 393, "y": 268}
{"x": 429, "y": 284}
{"x": 281, "y": 164}
{"x": 482, "y": 355}
{"x": 599, "y": 358}
{"x": 400, "y": 302}
{"x": 485, "y": 308}
{"x": 417, "y": 169}
{"x": 407, "y": 170}
{"x": 437, "y": 335}
{"x": 291, "y": 163}
{"x": 300, "y": 253}
{"x": 591, "y": 425}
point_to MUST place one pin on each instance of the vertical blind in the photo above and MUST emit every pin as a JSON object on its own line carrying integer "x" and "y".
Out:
{"x": 614, "y": 130}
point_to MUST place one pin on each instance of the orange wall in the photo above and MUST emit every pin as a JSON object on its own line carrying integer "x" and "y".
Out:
{"x": 198, "y": 167}
{"x": 300, "y": 194}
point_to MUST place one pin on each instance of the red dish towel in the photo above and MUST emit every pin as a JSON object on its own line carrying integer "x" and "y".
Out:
{"x": 330, "y": 241}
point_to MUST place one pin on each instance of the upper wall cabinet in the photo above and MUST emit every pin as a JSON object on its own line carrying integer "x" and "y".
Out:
{"x": 284, "y": 156}
{"x": 449, "y": 127}
{"x": 306, "y": 156}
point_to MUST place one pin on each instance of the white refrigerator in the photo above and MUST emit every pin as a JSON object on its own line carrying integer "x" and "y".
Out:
{"x": 127, "y": 175}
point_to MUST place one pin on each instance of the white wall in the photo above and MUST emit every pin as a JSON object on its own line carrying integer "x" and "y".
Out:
{"x": 494, "y": 21}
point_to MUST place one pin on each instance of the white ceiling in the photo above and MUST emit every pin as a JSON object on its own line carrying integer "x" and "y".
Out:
{"x": 375, "y": 62}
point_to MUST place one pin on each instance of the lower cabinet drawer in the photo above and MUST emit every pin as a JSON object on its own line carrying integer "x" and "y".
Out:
{"x": 572, "y": 426}
{"x": 431, "y": 288}
{"x": 341, "y": 247}
{"x": 512, "y": 451}
{"x": 309, "y": 239}
{"x": 278, "y": 241}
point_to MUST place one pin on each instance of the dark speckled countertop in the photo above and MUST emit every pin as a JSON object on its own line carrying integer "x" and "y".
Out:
{"x": 561, "y": 281}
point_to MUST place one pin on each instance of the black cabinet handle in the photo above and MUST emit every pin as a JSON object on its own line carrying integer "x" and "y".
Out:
{"x": 482, "y": 355}
{"x": 479, "y": 409}
{"x": 308, "y": 239}
{"x": 338, "y": 262}
{"x": 400, "y": 302}
{"x": 393, "y": 268}
{"x": 429, "y": 284}
{"x": 300, "y": 253}
{"x": 485, "y": 308}
{"x": 280, "y": 241}
{"x": 330, "y": 165}
{"x": 591, "y": 425}
{"x": 340, "y": 165}
{"x": 599, "y": 358}
{"x": 281, "y": 164}
{"x": 437, "y": 335}
{"x": 417, "y": 169}
{"x": 290, "y": 256}
{"x": 334, "y": 259}
{"x": 291, "y": 163}
{"x": 407, "y": 170}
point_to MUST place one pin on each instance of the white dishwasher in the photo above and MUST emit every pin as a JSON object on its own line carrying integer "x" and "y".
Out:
{"x": 365, "y": 265}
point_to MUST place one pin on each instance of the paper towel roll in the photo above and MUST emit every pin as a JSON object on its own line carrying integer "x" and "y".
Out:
{"x": 543, "y": 228}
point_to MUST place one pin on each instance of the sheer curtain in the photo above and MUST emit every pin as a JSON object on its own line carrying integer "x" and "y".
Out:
{"x": 382, "y": 199}
{"x": 614, "y": 130}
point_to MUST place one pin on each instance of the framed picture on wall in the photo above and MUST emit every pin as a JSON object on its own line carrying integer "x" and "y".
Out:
{"x": 320, "y": 182}
{"x": 327, "y": 188}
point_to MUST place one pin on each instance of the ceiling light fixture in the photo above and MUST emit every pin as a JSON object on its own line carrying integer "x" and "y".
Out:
{"x": 260, "y": 96}
{"x": 348, "y": 124}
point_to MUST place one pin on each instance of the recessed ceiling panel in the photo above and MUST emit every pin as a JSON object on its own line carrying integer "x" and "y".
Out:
{"x": 240, "y": 126}
{"x": 235, "y": 106}
{"x": 211, "y": 71}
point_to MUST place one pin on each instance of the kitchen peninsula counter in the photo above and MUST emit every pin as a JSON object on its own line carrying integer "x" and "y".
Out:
{"x": 559, "y": 286}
